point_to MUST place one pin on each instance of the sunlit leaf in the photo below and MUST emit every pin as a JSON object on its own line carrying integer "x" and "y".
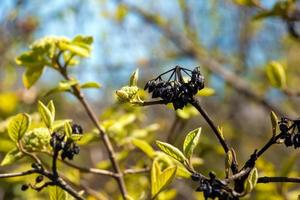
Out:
{"x": 171, "y": 151}
{"x": 51, "y": 108}
{"x": 121, "y": 12}
{"x": 74, "y": 48}
{"x": 162, "y": 180}
{"x": 251, "y": 180}
{"x": 90, "y": 85}
{"x": 276, "y": 74}
{"x": 63, "y": 86}
{"x": 56, "y": 193}
{"x": 134, "y": 78}
{"x": 190, "y": 142}
{"x": 46, "y": 115}
{"x": 32, "y": 75}
{"x": 144, "y": 146}
{"x": 11, "y": 157}
{"x": 206, "y": 92}
{"x": 68, "y": 129}
{"x": 18, "y": 125}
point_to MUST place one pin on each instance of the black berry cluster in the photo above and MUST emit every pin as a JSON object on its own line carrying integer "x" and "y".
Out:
{"x": 66, "y": 146}
{"x": 176, "y": 90}
{"x": 290, "y": 131}
{"x": 212, "y": 188}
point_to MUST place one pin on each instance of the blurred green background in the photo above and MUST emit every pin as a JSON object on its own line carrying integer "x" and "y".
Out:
{"x": 220, "y": 36}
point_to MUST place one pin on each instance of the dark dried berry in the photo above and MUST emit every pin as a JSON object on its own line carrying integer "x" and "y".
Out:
{"x": 35, "y": 166}
{"x": 177, "y": 91}
{"x": 24, "y": 187}
{"x": 296, "y": 140}
{"x": 39, "y": 178}
{"x": 77, "y": 129}
{"x": 288, "y": 141}
{"x": 195, "y": 177}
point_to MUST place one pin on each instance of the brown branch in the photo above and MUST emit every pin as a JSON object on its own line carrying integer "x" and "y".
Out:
{"x": 136, "y": 171}
{"x": 17, "y": 174}
{"x": 111, "y": 153}
{"x": 218, "y": 134}
{"x": 266, "y": 179}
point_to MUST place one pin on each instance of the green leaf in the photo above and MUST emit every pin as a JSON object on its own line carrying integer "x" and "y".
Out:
{"x": 251, "y": 180}
{"x": 51, "y": 107}
{"x": 248, "y": 186}
{"x": 171, "y": 151}
{"x": 162, "y": 180}
{"x": 68, "y": 129}
{"x": 88, "y": 40}
{"x": 18, "y": 125}
{"x": 63, "y": 86}
{"x": 274, "y": 121}
{"x": 187, "y": 112}
{"x": 134, "y": 78}
{"x": 32, "y": 75}
{"x": 59, "y": 123}
{"x": 11, "y": 156}
{"x": 276, "y": 74}
{"x": 46, "y": 115}
{"x": 228, "y": 162}
{"x": 76, "y": 137}
{"x": 190, "y": 142}
{"x": 121, "y": 12}
{"x": 56, "y": 193}
{"x": 74, "y": 48}
{"x": 206, "y": 92}
{"x": 155, "y": 170}
{"x": 144, "y": 146}
{"x": 90, "y": 85}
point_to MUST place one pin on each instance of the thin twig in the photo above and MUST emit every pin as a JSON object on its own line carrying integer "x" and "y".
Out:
{"x": 16, "y": 174}
{"x": 111, "y": 153}
{"x": 267, "y": 179}
{"x": 136, "y": 171}
{"x": 216, "y": 131}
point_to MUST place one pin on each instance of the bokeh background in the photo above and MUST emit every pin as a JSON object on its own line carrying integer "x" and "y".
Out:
{"x": 221, "y": 36}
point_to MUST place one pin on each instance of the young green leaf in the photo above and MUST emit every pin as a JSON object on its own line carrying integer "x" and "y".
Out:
{"x": 90, "y": 85}
{"x": 144, "y": 146}
{"x": 68, "y": 129}
{"x": 46, "y": 115}
{"x": 206, "y": 92}
{"x": 74, "y": 48}
{"x": 228, "y": 162}
{"x": 171, "y": 151}
{"x": 51, "y": 107}
{"x": 162, "y": 180}
{"x": 190, "y": 142}
{"x": 32, "y": 75}
{"x": 276, "y": 74}
{"x": 248, "y": 186}
{"x": 134, "y": 78}
{"x": 155, "y": 170}
{"x": 11, "y": 156}
{"x": 274, "y": 121}
{"x": 56, "y": 193}
{"x": 251, "y": 180}
{"x": 63, "y": 86}
{"x": 18, "y": 125}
